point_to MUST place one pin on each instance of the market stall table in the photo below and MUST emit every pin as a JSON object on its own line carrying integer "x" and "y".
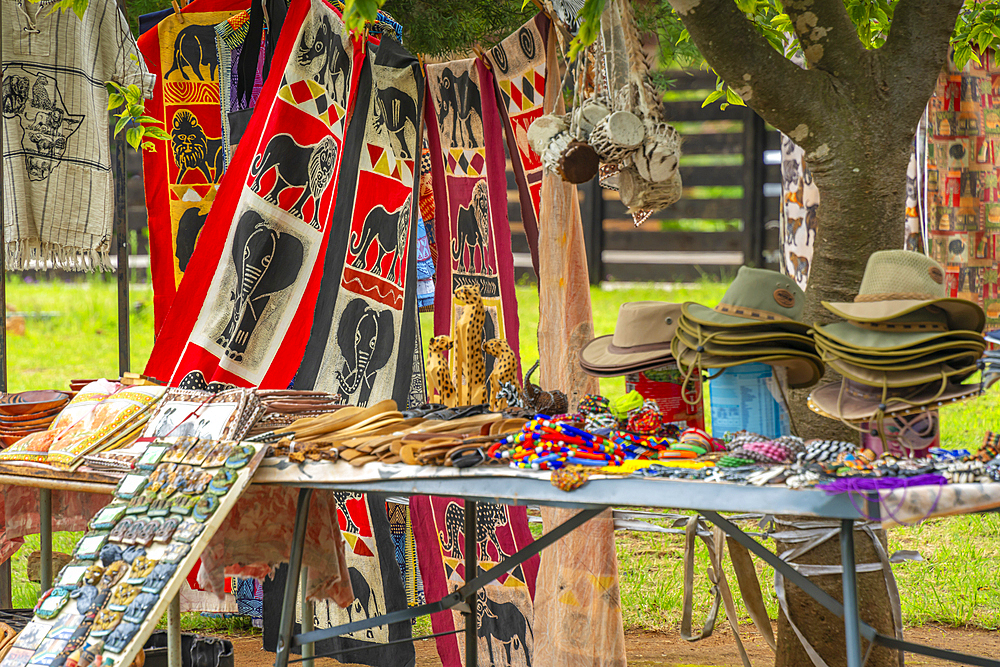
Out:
{"x": 505, "y": 485}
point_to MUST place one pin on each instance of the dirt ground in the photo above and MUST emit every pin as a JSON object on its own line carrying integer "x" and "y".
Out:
{"x": 651, "y": 649}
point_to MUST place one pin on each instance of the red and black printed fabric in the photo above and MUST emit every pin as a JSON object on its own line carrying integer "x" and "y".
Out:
{"x": 519, "y": 68}
{"x": 504, "y": 607}
{"x": 245, "y": 307}
{"x": 181, "y": 176}
{"x": 377, "y": 584}
{"x": 364, "y": 343}
{"x": 470, "y": 192}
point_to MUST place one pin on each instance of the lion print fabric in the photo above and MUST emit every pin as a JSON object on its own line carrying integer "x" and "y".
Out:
{"x": 246, "y": 304}
{"x": 503, "y": 607}
{"x": 470, "y": 199}
{"x": 181, "y": 176}
{"x": 519, "y": 67}
{"x": 963, "y": 181}
{"x": 364, "y": 333}
{"x": 58, "y": 186}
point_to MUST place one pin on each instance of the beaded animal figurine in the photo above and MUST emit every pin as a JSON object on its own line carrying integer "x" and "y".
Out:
{"x": 504, "y": 371}
{"x": 470, "y": 366}
{"x": 438, "y": 374}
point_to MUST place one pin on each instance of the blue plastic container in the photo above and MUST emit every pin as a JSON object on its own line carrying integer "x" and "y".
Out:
{"x": 741, "y": 400}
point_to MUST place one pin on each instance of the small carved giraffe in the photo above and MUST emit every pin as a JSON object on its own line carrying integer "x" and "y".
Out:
{"x": 504, "y": 370}
{"x": 438, "y": 373}
{"x": 469, "y": 363}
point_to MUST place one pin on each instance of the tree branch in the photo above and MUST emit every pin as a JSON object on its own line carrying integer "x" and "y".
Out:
{"x": 916, "y": 51}
{"x": 773, "y": 86}
{"x": 827, "y": 34}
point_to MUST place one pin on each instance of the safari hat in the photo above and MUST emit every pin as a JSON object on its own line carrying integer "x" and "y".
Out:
{"x": 898, "y": 282}
{"x": 900, "y": 363}
{"x": 898, "y": 377}
{"x": 915, "y": 329}
{"x": 727, "y": 347}
{"x": 853, "y": 402}
{"x": 741, "y": 336}
{"x": 756, "y": 297}
{"x": 804, "y": 369}
{"x": 641, "y": 340}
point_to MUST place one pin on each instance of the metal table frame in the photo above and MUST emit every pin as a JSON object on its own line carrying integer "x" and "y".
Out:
{"x": 597, "y": 495}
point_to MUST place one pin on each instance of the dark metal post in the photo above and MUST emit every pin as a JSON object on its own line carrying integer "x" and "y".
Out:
{"x": 471, "y": 570}
{"x": 292, "y": 582}
{"x": 754, "y": 141}
{"x": 120, "y": 179}
{"x": 45, "y": 536}
{"x": 592, "y": 216}
{"x": 852, "y": 624}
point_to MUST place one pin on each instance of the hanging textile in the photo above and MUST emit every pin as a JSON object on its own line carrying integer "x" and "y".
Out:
{"x": 470, "y": 191}
{"x": 246, "y": 306}
{"x": 565, "y": 319}
{"x": 406, "y": 550}
{"x": 519, "y": 65}
{"x": 58, "y": 185}
{"x": 963, "y": 194}
{"x": 503, "y": 607}
{"x": 799, "y": 212}
{"x": 181, "y": 176}
{"x": 425, "y": 269}
{"x": 230, "y": 37}
{"x": 378, "y": 590}
{"x": 578, "y": 615}
{"x": 363, "y": 334}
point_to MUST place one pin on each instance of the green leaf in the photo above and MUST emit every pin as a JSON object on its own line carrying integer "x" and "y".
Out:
{"x": 115, "y": 100}
{"x": 133, "y": 94}
{"x": 149, "y": 146}
{"x": 122, "y": 122}
{"x": 133, "y": 136}
{"x": 156, "y": 132}
{"x": 147, "y": 119}
{"x": 136, "y": 110}
{"x": 733, "y": 98}
{"x": 712, "y": 96}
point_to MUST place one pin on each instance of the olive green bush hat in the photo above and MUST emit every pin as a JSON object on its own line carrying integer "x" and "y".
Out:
{"x": 641, "y": 340}
{"x": 898, "y": 282}
{"x": 755, "y": 297}
{"x": 855, "y": 402}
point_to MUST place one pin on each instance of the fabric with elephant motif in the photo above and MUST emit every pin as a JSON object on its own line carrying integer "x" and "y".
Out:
{"x": 503, "y": 607}
{"x": 519, "y": 65}
{"x": 244, "y": 310}
{"x": 364, "y": 332}
{"x": 471, "y": 229}
{"x": 181, "y": 176}
{"x": 58, "y": 195}
{"x": 799, "y": 212}
{"x": 963, "y": 181}
{"x": 377, "y": 584}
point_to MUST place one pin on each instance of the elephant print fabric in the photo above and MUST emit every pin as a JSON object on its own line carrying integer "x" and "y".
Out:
{"x": 504, "y": 607}
{"x": 470, "y": 190}
{"x": 799, "y": 212}
{"x": 519, "y": 67}
{"x": 252, "y": 281}
{"x": 184, "y": 171}
{"x": 363, "y": 340}
{"x": 962, "y": 180}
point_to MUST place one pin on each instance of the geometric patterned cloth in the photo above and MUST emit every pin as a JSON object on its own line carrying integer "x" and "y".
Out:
{"x": 963, "y": 181}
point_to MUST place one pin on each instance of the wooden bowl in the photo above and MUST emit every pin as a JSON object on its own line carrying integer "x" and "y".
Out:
{"x": 31, "y": 416}
{"x": 32, "y": 401}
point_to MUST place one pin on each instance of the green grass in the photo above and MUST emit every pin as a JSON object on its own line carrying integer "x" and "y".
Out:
{"x": 955, "y": 585}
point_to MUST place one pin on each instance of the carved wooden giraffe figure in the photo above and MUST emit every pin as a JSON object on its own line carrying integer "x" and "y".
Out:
{"x": 438, "y": 373}
{"x": 504, "y": 370}
{"x": 469, "y": 363}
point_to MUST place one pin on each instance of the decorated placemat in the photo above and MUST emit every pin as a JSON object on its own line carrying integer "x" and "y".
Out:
{"x": 519, "y": 68}
{"x": 249, "y": 301}
{"x": 364, "y": 332}
{"x": 132, "y": 560}
{"x": 181, "y": 176}
{"x": 472, "y": 232}
{"x": 503, "y": 607}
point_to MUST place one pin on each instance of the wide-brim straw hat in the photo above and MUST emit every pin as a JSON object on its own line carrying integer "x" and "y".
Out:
{"x": 898, "y": 282}
{"x": 641, "y": 340}
{"x": 755, "y": 297}
{"x": 853, "y": 402}
{"x": 804, "y": 370}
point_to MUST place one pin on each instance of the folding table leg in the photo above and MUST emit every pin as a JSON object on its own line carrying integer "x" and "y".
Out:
{"x": 308, "y": 650}
{"x": 471, "y": 570}
{"x": 852, "y": 623}
{"x": 174, "y": 658}
{"x": 292, "y": 582}
{"x": 45, "y": 523}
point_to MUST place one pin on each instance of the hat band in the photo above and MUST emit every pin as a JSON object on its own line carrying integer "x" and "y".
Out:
{"x": 638, "y": 349}
{"x": 901, "y": 326}
{"x": 869, "y": 393}
{"x": 751, "y": 313}
{"x": 895, "y": 296}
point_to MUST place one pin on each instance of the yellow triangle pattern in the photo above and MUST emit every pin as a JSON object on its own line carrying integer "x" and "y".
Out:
{"x": 601, "y": 583}
{"x": 351, "y": 539}
{"x": 382, "y": 166}
{"x": 569, "y": 599}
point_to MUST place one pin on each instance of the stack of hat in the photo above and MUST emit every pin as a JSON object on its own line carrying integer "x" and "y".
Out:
{"x": 758, "y": 320}
{"x": 28, "y": 412}
{"x": 904, "y": 347}
{"x": 641, "y": 341}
